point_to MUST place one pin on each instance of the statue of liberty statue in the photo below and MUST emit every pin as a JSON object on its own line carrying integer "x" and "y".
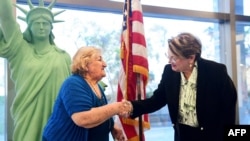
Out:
{"x": 37, "y": 66}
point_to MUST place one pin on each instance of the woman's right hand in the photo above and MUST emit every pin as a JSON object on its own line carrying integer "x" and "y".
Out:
{"x": 125, "y": 109}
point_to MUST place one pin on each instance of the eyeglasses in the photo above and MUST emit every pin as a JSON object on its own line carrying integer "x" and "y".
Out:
{"x": 172, "y": 59}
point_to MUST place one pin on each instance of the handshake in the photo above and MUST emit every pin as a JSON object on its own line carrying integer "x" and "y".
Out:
{"x": 125, "y": 108}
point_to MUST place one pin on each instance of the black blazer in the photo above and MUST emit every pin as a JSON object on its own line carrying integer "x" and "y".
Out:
{"x": 215, "y": 102}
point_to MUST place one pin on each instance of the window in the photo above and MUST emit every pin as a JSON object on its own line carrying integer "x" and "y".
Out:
{"x": 204, "y": 5}
{"x": 91, "y": 27}
{"x": 241, "y": 7}
{"x": 95, "y": 30}
{"x": 2, "y": 99}
{"x": 243, "y": 67}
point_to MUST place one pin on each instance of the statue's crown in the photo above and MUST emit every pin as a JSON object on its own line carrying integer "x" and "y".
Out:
{"x": 38, "y": 11}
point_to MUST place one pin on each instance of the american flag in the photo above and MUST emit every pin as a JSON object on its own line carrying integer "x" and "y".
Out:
{"x": 134, "y": 70}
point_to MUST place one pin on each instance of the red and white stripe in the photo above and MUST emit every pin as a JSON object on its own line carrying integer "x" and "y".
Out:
{"x": 134, "y": 66}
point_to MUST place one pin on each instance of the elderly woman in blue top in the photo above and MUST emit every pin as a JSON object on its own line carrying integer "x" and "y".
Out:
{"x": 81, "y": 112}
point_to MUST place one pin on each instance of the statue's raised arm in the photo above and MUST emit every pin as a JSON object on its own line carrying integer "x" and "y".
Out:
{"x": 7, "y": 19}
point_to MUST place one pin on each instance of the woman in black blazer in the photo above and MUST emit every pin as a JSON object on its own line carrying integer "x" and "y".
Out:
{"x": 200, "y": 95}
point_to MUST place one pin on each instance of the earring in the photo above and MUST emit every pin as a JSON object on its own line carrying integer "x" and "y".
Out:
{"x": 190, "y": 65}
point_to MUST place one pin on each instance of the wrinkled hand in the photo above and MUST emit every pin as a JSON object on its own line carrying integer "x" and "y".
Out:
{"x": 125, "y": 109}
{"x": 117, "y": 133}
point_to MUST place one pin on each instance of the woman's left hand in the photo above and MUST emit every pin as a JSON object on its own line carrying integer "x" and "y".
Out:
{"x": 117, "y": 133}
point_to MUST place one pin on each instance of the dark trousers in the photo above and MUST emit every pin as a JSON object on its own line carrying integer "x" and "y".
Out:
{"x": 188, "y": 133}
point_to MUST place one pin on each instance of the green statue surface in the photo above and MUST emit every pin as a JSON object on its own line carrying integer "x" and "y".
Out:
{"x": 38, "y": 67}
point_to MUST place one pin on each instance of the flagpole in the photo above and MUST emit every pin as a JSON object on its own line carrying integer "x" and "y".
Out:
{"x": 139, "y": 98}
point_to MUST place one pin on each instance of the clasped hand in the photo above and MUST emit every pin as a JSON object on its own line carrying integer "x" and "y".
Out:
{"x": 126, "y": 108}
